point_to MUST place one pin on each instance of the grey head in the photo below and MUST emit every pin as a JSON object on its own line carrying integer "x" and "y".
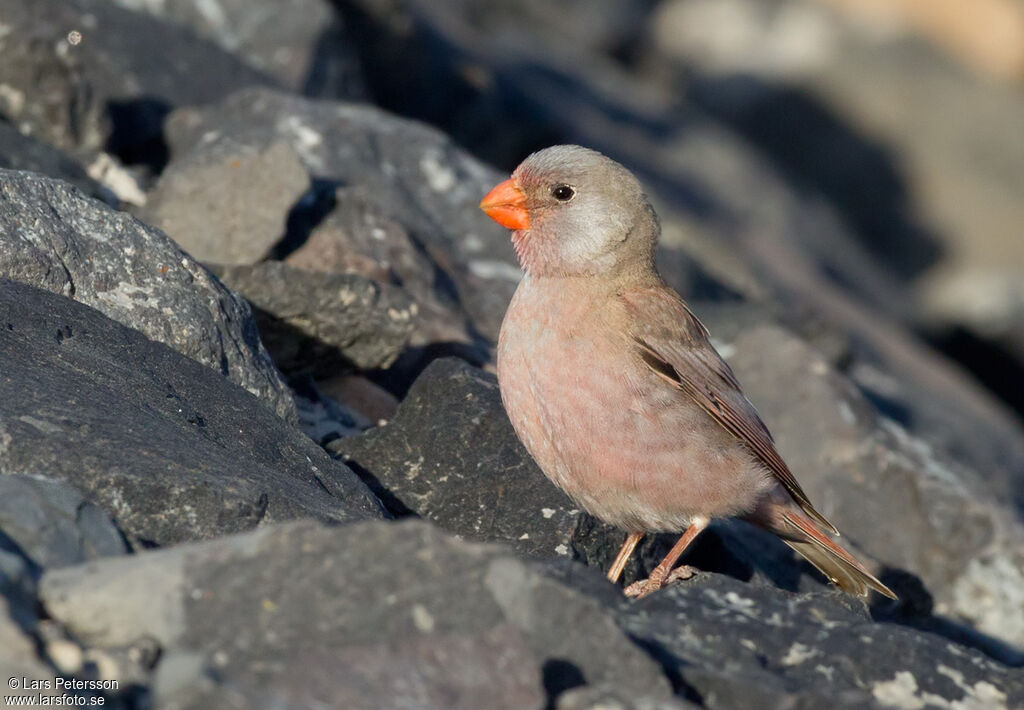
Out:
{"x": 588, "y": 214}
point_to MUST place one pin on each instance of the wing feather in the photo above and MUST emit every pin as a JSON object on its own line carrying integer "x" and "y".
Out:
{"x": 688, "y": 362}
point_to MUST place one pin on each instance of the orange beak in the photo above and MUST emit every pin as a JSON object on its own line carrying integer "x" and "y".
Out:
{"x": 506, "y": 205}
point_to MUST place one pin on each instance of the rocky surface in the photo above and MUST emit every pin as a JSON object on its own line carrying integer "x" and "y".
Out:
{"x": 44, "y": 524}
{"x": 153, "y": 461}
{"x": 229, "y": 206}
{"x": 18, "y": 654}
{"x": 324, "y": 321}
{"x": 53, "y": 237}
{"x": 400, "y": 177}
{"x": 298, "y": 42}
{"x": 87, "y": 74}
{"x": 236, "y": 631}
{"x": 360, "y": 238}
{"x": 167, "y": 447}
{"x": 773, "y": 655}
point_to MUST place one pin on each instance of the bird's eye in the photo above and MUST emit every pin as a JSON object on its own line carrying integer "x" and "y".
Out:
{"x": 563, "y": 193}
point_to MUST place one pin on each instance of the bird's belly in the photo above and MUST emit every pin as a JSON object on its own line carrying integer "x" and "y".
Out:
{"x": 621, "y": 442}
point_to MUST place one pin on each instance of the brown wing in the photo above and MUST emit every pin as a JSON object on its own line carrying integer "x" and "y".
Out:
{"x": 673, "y": 343}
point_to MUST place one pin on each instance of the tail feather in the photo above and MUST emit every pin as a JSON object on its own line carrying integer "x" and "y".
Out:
{"x": 831, "y": 560}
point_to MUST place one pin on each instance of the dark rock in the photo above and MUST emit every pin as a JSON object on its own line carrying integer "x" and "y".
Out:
{"x": 409, "y": 174}
{"x": 450, "y": 455}
{"x": 297, "y": 42}
{"x": 111, "y": 85}
{"x": 369, "y": 615}
{"x": 228, "y": 206}
{"x": 456, "y": 671}
{"x": 17, "y": 589}
{"x": 168, "y": 448}
{"x": 357, "y": 236}
{"x": 728, "y": 642}
{"x": 52, "y": 524}
{"x": 53, "y": 237}
{"x": 19, "y": 152}
{"x": 323, "y": 321}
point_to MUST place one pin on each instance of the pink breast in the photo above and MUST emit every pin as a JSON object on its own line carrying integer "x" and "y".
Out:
{"x": 611, "y": 434}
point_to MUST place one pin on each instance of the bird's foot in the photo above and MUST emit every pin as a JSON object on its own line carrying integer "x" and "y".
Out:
{"x": 639, "y": 590}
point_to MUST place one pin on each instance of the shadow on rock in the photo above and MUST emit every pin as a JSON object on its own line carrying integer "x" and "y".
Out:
{"x": 136, "y": 132}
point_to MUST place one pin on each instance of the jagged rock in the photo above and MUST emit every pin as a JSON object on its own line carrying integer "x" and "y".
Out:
{"x": 396, "y": 169}
{"x": 730, "y": 642}
{"x": 361, "y": 616}
{"x": 358, "y": 236}
{"x": 297, "y": 42}
{"x": 228, "y": 206}
{"x": 53, "y": 237}
{"x": 169, "y": 449}
{"x": 111, "y": 84}
{"x": 324, "y": 321}
{"x": 19, "y": 619}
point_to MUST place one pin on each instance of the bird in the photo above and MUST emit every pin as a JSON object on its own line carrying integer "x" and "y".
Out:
{"x": 613, "y": 386}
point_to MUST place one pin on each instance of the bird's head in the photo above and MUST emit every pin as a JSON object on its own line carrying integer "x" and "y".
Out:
{"x": 574, "y": 211}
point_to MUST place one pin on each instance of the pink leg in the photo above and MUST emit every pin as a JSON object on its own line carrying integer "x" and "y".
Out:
{"x": 663, "y": 574}
{"x": 615, "y": 571}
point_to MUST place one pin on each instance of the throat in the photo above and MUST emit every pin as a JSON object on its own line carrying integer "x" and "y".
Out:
{"x": 610, "y": 248}
{"x": 543, "y": 257}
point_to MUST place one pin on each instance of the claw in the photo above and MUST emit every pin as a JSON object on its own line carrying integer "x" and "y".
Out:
{"x": 639, "y": 590}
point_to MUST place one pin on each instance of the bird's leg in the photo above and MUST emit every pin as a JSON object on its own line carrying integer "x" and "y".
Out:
{"x": 663, "y": 572}
{"x": 615, "y": 571}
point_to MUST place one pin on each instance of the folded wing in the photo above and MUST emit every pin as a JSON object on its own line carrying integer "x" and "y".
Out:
{"x": 674, "y": 344}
